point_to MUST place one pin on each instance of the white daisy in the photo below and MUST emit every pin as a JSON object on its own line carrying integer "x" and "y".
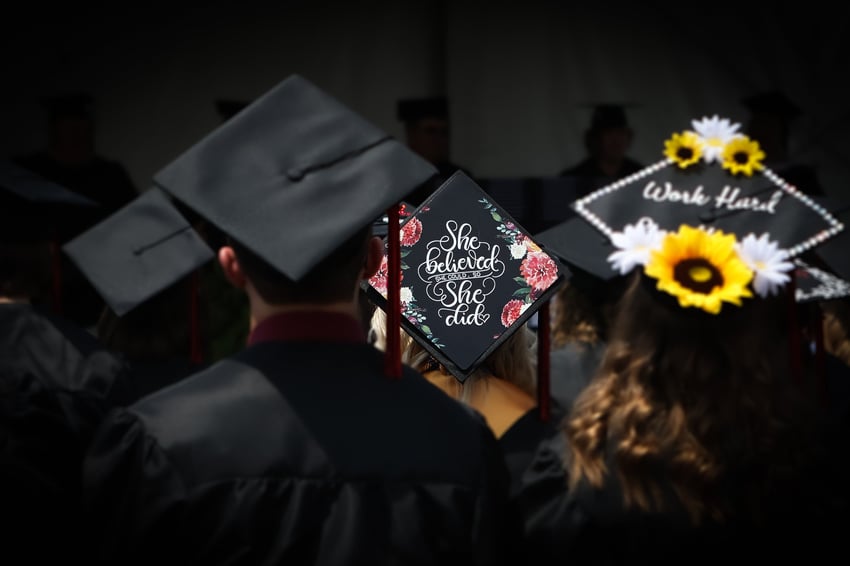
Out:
{"x": 767, "y": 261}
{"x": 405, "y": 295}
{"x": 715, "y": 133}
{"x": 635, "y": 244}
{"x": 518, "y": 251}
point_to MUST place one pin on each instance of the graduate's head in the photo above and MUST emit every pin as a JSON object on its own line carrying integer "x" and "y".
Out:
{"x": 426, "y": 127}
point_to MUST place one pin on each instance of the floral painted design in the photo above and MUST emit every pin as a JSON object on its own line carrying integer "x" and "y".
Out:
{"x": 537, "y": 271}
{"x": 411, "y": 232}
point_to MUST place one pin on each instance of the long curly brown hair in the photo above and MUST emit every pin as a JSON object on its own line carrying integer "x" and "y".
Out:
{"x": 697, "y": 402}
{"x": 836, "y": 328}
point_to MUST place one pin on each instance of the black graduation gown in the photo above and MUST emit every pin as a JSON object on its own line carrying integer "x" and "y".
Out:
{"x": 572, "y": 366}
{"x": 801, "y": 518}
{"x": 299, "y": 453}
{"x": 538, "y": 484}
{"x": 56, "y": 383}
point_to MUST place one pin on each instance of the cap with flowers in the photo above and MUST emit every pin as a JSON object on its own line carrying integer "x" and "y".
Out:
{"x": 710, "y": 222}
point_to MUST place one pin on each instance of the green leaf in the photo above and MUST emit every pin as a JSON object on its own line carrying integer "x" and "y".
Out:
{"x": 520, "y": 280}
{"x": 522, "y": 292}
{"x": 404, "y": 253}
{"x": 495, "y": 215}
{"x": 426, "y": 329}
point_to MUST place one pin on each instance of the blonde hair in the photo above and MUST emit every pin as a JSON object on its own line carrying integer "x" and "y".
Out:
{"x": 514, "y": 360}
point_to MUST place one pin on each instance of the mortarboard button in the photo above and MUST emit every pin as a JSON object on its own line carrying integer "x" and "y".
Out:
{"x": 138, "y": 251}
{"x": 293, "y": 175}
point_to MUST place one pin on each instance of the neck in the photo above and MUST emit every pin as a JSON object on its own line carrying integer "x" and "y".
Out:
{"x": 261, "y": 311}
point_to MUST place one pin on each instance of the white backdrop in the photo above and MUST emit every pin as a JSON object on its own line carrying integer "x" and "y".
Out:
{"x": 520, "y": 75}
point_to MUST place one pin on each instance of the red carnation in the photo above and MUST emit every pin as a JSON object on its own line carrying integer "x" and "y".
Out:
{"x": 379, "y": 280}
{"x": 511, "y": 312}
{"x": 411, "y": 232}
{"x": 539, "y": 270}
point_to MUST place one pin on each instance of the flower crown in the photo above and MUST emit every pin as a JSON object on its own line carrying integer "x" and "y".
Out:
{"x": 702, "y": 267}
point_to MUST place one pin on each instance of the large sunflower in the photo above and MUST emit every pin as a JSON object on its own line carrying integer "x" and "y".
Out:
{"x": 742, "y": 155}
{"x": 700, "y": 269}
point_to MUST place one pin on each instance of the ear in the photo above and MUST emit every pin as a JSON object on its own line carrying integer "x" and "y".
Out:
{"x": 231, "y": 268}
{"x": 374, "y": 256}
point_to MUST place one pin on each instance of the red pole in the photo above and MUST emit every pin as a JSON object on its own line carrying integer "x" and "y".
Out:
{"x": 543, "y": 349}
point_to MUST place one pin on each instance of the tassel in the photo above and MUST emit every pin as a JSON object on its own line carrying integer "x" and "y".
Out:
{"x": 392, "y": 356}
{"x": 543, "y": 367}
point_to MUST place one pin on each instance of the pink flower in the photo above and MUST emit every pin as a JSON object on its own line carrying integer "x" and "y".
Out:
{"x": 411, "y": 232}
{"x": 379, "y": 280}
{"x": 539, "y": 270}
{"x": 512, "y": 311}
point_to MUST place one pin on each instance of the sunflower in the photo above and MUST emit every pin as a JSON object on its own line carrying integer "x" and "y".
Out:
{"x": 700, "y": 269}
{"x": 743, "y": 155}
{"x": 684, "y": 149}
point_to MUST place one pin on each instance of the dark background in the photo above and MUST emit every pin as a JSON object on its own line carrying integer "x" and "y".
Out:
{"x": 521, "y": 75}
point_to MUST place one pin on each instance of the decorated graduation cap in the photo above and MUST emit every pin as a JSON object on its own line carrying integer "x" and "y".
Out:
{"x": 139, "y": 250}
{"x": 410, "y": 110}
{"x": 470, "y": 276}
{"x": 710, "y": 222}
{"x": 815, "y": 284}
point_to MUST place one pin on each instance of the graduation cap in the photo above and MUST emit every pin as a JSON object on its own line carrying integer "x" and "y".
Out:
{"x": 773, "y": 103}
{"x": 835, "y": 253}
{"x": 410, "y": 110}
{"x": 34, "y": 210}
{"x": 75, "y": 104}
{"x": 470, "y": 276}
{"x": 815, "y": 284}
{"x": 608, "y": 116}
{"x": 711, "y": 185}
{"x": 293, "y": 176}
{"x": 139, "y": 250}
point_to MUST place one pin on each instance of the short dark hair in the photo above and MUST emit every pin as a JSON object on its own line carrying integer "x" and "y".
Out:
{"x": 331, "y": 280}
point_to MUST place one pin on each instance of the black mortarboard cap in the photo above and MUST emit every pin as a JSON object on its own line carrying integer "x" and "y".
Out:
{"x": 580, "y": 246}
{"x": 33, "y": 208}
{"x": 293, "y": 176}
{"x": 470, "y": 276}
{"x": 138, "y": 251}
{"x": 413, "y": 109}
{"x": 228, "y": 108}
{"x": 75, "y": 104}
{"x": 608, "y": 116}
{"x": 709, "y": 194}
{"x": 772, "y": 102}
{"x": 722, "y": 186}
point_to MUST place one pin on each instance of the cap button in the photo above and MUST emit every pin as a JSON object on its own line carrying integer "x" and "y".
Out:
{"x": 295, "y": 173}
